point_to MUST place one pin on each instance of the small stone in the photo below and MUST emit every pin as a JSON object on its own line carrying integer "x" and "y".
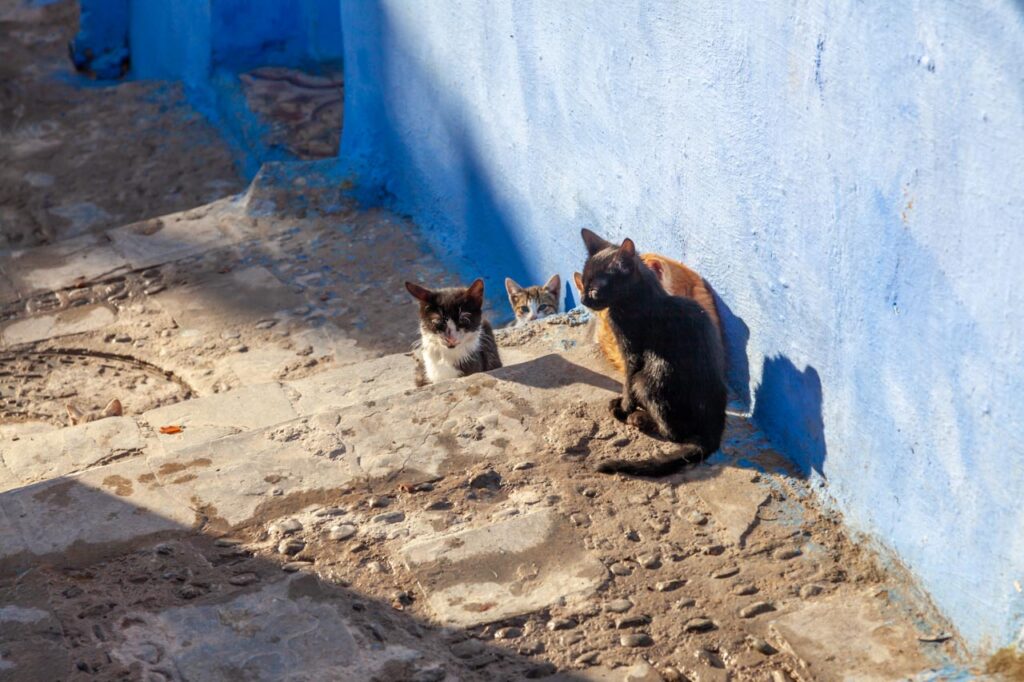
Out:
{"x": 579, "y": 519}
{"x": 698, "y": 625}
{"x": 329, "y": 511}
{"x": 341, "y": 532}
{"x": 713, "y": 550}
{"x": 588, "y": 658}
{"x": 508, "y": 633}
{"x": 561, "y": 624}
{"x": 226, "y": 542}
{"x": 530, "y": 497}
{"x": 589, "y": 492}
{"x": 243, "y": 579}
{"x": 285, "y": 527}
{"x": 686, "y": 603}
{"x": 376, "y": 567}
{"x": 619, "y": 605}
{"x": 230, "y": 334}
{"x": 440, "y": 505}
{"x": 489, "y": 479}
{"x": 787, "y": 553}
{"x": 779, "y": 676}
{"x": 659, "y": 526}
{"x": 531, "y": 649}
{"x": 570, "y": 638}
{"x": 621, "y": 442}
{"x": 811, "y": 590}
{"x": 626, "y": 622}
{"x": 389, "y": 517}
{"x": 290, "y": 546}
{"x": 293, "y": 566}
{"x": 434, "y": 673}
{"x": 761, "y": 646}
{"x": 756, "y": 609}
{"x": 239, "y": 348}
{"x": 266, "y": 324}
{"x": 726, "y": 572}
{"x": 467, "y": 648}
{"x": 189, "y": 591}
{"x": 520, "y": 466}
{"x": 696, "y": 518}
{"x": 649, "y": 560}
{"x": 632, "y": 536}
{"x": 642, "y": 672}
{"x": 669, "y": 585}
{"x": 635, "y": 639}
{"x": 164, "y": 549}
{"x": 744, "y": 589}
{"x": 378, "y": 502}
{"x": 401, "y": 598}
{"x": 621, "y": 569}
{"x": 122, "y": 338}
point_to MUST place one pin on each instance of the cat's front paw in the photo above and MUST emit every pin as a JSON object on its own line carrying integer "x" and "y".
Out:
{"x": 642, "y": 421}
{"x": 617, "y": 410}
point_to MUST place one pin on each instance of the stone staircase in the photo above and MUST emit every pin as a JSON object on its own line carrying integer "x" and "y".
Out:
{"x": 306, "y": 512}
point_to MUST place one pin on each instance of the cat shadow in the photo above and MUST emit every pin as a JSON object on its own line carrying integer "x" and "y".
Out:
{"x": 788, "y": 405}
{"x": 554, "y": 371}
{"x": 735, "y": 335}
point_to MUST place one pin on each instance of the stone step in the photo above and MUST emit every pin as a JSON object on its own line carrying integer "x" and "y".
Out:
{"x": 236, "y": 480}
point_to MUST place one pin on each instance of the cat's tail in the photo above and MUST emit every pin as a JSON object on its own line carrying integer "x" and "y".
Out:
{"x": 669, "y": 463}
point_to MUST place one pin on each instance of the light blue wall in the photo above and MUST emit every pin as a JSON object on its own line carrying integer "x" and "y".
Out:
{"x": 849, "y": 176}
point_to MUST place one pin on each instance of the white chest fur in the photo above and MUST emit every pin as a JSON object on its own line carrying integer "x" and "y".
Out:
{"x": 441, "y": 362}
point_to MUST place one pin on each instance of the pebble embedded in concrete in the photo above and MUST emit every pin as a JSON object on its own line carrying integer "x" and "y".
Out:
{"x": 619, "y": 605}
{"x": 756, "y": 609}
{"x": 698, "y": 625}
{"x": 636, "y": 639}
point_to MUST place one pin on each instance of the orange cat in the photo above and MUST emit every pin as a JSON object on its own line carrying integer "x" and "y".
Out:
{"x": 677, "y": 279}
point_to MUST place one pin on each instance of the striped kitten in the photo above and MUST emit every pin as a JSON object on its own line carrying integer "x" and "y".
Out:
{"x": 533, "y": 303}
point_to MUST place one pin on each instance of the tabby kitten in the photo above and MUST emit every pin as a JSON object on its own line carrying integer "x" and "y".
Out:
{"x": 533, "y": 303}
{"x": 77, "y": 416}
{"x": 675, "y": 372}
{"x": 676, "y": 279}
{"x": 455, "y": 340}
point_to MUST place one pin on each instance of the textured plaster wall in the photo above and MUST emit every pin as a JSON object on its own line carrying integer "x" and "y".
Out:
{"x": 849, "y": 176}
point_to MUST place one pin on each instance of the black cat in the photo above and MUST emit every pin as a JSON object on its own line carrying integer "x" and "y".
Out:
{"x": 675, "y": 371}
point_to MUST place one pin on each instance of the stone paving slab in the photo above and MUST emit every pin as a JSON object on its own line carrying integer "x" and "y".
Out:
{"x": 222, "y": 414}
{"x": 355, "y": 383}
{"x": 276, "y": 633}
{"x": 819, "y": 635}
{"x": 38, "y": 456}
{"x": 236, "y": 479}
{"x": 734, "y": 499}
{"x": 94, "y": 513}
{"x": 62, "y": 265}
{"x": 31, "y": 638}
{"x": 227, "y": 301}
{"x": 78, "y": 320}
{"x": 504, "y": 569}
{"x": 173, "y": 237}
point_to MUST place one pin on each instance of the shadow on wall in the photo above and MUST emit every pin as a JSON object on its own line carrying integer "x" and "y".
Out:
{"x": 736, "y": 334}
{"x": 788, "y": 404}
{"x": 446, "y": 187}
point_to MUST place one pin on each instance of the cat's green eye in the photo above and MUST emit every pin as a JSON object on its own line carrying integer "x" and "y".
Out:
{"x": 545, "y": 308}
{"x": 524, "y": 309}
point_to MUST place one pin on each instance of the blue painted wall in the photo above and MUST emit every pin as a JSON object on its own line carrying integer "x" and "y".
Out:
{"x": 849, "y": 176}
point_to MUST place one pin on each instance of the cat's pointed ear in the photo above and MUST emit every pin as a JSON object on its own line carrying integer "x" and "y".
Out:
{"x": 475, "y": 292}
{"x": 113, "y": 409}
{"x": 74, "y": 414}
{"x": 593, "y": 242}
{"x": 628, "y": 248}
{"x": 512, "y": 287}
{"x": 657, "y": 267}
{"x": 578, "y": 278}
{"x": 554, "y": 285}
{"x": 420, "y": 293}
